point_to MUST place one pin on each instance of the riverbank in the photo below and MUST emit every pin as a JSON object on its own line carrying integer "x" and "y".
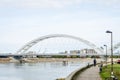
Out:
{"x": 10, "y": 59}
{"x": 7, "y": 60}
{"x": 60, "y": 59}
{"x": 88, "y": 72}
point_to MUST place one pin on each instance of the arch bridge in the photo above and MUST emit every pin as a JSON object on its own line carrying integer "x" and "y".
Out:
{"x": 28, "y": 45}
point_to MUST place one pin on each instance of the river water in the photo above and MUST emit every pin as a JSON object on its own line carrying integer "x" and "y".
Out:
{"x": 38, "y": 71}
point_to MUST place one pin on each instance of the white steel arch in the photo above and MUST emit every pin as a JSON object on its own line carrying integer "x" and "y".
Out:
{"x": 116, "y": 46}
{"x": 35, "y": 41}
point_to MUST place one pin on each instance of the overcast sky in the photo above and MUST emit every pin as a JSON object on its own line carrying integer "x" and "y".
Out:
{"x": 24, "y": 20}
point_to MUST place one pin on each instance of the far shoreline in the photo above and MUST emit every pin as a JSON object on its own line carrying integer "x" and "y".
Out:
{"x": 35, "y": 60}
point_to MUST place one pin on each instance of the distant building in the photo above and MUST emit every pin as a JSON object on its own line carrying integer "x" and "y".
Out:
{"x": 61, "y": 52}
{"x": 75, "y": 52}
{"x": 65, "y": 52}
{"x": 88, "y": 51}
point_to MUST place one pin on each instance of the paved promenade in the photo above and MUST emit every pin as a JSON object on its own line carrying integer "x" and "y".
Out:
{"x": 91, "y": 73}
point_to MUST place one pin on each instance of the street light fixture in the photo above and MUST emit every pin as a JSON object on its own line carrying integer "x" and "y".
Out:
{"x": 106, "y": 54}
{"x": 111, "y": 52}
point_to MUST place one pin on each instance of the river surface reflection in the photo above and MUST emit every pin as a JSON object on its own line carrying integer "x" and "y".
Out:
{"x": 37, "y": 71}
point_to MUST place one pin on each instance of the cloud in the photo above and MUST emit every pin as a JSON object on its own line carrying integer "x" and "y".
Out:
{"x": 53, "y": 3}
{"x": 37, "y": 3}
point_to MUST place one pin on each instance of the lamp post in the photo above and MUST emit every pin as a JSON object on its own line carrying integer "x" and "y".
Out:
{"x": 111, "y": 52}
{"x": 106, "y": 54}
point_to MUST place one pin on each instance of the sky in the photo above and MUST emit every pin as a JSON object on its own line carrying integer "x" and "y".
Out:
{"x": 24, "y": 20}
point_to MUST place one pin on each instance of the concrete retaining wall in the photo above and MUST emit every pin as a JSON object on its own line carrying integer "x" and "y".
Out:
{"x": 73, "y": 75}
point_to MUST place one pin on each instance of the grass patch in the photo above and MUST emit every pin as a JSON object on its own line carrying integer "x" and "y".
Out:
{"x": 106, "y": 71}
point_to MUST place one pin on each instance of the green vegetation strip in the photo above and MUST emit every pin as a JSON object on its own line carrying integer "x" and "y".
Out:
{"x": 107, "y": 70}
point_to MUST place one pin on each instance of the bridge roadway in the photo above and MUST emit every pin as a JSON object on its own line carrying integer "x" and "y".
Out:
{"x": 50, "y": 54}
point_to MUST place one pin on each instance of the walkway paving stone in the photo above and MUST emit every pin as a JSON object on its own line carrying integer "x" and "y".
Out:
{"x": 91, "y": 73}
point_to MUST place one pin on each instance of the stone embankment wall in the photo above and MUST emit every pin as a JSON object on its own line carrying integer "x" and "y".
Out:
{"x": 4, "y": 60}
{"x": 73, "y": 75}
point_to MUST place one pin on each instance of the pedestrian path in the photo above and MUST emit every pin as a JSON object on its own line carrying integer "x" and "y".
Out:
{"x": 91, "y": 73}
